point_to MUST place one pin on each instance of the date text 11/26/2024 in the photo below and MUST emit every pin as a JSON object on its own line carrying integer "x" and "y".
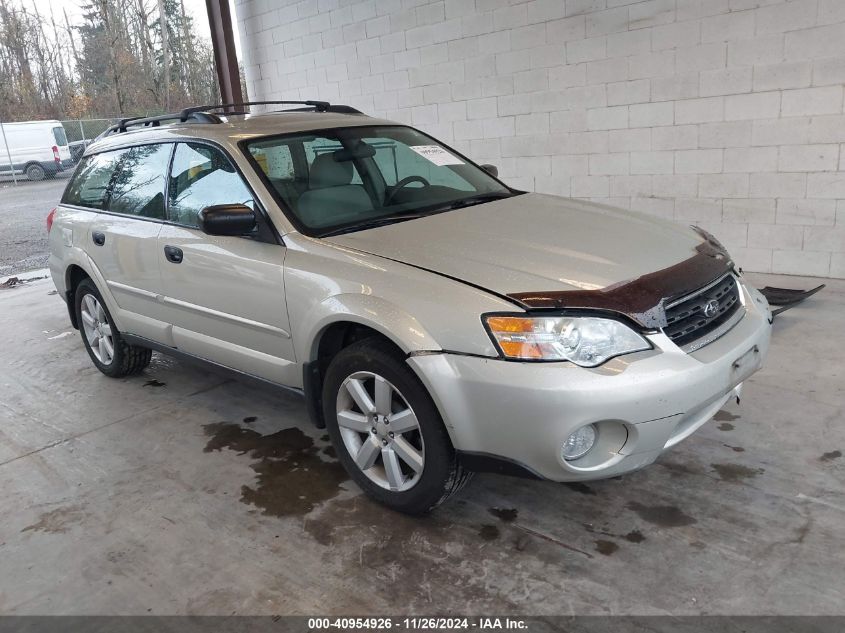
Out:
{"x": 419, "y": 623}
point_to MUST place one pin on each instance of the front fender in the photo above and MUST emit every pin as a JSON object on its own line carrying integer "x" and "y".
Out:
{"x": 386, "y": 318}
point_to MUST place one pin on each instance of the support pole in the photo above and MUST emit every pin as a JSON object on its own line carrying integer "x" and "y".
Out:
{"x": 225, "y": 57}
{"x": 8, "y": 153}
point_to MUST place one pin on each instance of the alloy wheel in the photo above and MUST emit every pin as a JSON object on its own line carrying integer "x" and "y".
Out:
{"x": 380, "y": 431}
{"x": 97, "y": 330}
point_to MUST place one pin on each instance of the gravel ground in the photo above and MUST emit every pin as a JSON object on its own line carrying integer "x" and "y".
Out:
{"x": 23, "y": 213}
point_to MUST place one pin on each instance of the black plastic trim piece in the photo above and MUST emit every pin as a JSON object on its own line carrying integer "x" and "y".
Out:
{"x": 223, "y": 370}
{"x": 312, "y": 387}
{"x": 489, "y": 463}
{"x": 68, "y": 297}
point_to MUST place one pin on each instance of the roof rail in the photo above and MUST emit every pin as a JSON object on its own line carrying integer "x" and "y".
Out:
{"x": 202, "y": 114}
{"x": 155, "y": 121}
{"x": 316, "y": 106}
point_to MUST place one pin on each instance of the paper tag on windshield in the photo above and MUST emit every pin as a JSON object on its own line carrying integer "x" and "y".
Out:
{"x": 436, "y": 155}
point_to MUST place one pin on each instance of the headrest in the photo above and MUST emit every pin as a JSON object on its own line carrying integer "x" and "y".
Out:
{"x": 359, "y": 150}
{"x": 327, "y": 172}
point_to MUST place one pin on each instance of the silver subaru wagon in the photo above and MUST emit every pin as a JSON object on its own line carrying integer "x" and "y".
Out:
{"x": 437, "y": 321}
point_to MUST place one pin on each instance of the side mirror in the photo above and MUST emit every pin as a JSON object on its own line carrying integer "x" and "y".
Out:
{"x": 227, "y": 219}
{"x": 491, "y": 169}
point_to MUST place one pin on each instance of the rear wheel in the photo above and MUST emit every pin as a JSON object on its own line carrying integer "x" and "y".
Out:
{"x": 110, "y": 353}
{"x": 387, "y": 431}
{"x": 35, "y": 172}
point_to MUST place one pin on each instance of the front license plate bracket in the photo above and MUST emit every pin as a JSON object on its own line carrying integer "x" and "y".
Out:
{"x": 744, "y": 366}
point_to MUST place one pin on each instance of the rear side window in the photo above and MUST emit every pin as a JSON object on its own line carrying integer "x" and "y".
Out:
{"x": 90, "y": 183}
{"x": 138, "y": 188}
{"x": 202, "y": 176}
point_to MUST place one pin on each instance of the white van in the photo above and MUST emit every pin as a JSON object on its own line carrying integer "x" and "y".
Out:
{"x": 38, "y": 149}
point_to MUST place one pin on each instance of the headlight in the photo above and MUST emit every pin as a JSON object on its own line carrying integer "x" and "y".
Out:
{"x": 585, "y": 341}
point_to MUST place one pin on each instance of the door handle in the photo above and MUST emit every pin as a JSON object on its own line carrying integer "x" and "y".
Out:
{"x": 99, "y": 238}
{"x": 173, "y": 254}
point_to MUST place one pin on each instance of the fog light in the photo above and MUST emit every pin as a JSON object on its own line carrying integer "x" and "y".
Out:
{"x": 579, "y": 443}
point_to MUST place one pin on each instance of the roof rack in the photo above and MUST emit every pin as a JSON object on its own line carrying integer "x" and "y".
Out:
{"x": 155, "y": 121}
{"x": 202, "y": 114}
{"x": 310, "y": 106}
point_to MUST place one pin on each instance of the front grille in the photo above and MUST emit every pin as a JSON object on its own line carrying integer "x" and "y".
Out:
{"x": 686, "y": 318}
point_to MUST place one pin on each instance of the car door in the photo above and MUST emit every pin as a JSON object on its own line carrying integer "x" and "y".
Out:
{"x": 122, "y": 237}
{"x": 225, "y": 295}
{"x": 62, "y": 147}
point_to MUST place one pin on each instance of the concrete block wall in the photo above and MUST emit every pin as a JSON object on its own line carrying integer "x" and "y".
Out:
{"x": 725, "y": 113}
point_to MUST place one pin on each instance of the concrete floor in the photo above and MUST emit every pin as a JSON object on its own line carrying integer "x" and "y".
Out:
{"x": 178, "y": 492}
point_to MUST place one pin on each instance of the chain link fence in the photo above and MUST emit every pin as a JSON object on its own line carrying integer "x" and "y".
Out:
{"x": 18, "y": 154}
{"x": 80, "y": 132}
{"x": 86, "y": 129}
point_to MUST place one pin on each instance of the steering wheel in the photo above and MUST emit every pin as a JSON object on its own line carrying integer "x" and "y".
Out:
{"x": 404, "y": 183}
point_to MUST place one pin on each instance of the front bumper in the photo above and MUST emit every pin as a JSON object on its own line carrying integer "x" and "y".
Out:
{"x": 641, "y": 403}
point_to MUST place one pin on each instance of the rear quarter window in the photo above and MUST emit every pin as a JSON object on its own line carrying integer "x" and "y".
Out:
{"x": 89, "y": 185}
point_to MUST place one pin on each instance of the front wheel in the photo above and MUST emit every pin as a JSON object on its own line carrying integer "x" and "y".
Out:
{"x": 387, "y": 431}
{"x": 111, "y": 354}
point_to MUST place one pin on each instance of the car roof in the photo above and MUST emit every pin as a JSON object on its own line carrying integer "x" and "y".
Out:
{"x": 236, "y": 128}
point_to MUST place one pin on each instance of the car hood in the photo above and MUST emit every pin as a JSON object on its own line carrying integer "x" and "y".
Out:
{"x": 533, "y": 242}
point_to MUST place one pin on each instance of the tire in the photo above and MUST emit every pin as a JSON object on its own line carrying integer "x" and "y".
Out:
{"x": 35, "y": 172}
{"x": 412, "y": 468}
{"x": 100, "y": 335}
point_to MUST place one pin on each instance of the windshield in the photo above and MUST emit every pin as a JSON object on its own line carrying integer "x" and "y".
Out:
{"x": 352, "y": 178}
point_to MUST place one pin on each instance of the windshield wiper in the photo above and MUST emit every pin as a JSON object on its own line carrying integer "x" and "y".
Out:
{"x": 401, "y": 217}
{"x": 484, "y": 197}
{"x": 376, "y": 222}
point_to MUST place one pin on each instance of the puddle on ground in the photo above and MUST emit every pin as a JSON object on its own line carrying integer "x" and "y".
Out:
{"x": 291, "y": 477}
{"x": 583, "y": 488}
{"x": 155, "y": 383}
{"x": 735, "y": 449}
{"x": 829, "y": 457}
{"x": 676, "y": 469}
{"x": 606, "y": 548}
{"x": 250, "y": 419}
{"x": 634, "y": 536}
{"x": 736, "y": 472}
{"x": 57, "y": 521}
{"x": 726, "y": 426}
{"x": 663, "y": 516}
{"x": 488, "y": 532}
{"x": 508, "y": 515}
{"x": 725, "y": 416}
{"x": 443, "y": 555}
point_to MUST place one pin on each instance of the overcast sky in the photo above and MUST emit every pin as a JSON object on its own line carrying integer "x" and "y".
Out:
{"x": 195, "y": 8}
